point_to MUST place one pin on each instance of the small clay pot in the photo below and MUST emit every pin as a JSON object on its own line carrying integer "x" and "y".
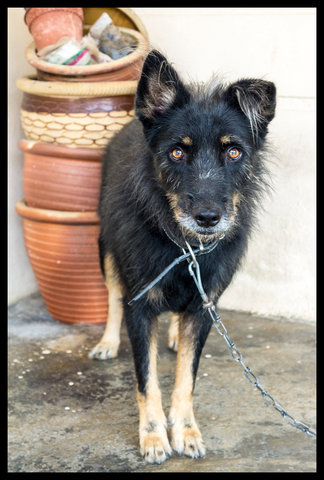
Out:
{"x": 48, "y": 25}
{"x": 75, "y": 115}
{"x": 63, "y": 252}
{"x": 61, "y": 178}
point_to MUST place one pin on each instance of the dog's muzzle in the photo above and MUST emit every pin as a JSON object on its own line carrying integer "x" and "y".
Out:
{"x": 205, "y": 217}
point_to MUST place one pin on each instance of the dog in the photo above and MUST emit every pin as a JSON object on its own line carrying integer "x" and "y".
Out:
{"x": 190, "y": 167}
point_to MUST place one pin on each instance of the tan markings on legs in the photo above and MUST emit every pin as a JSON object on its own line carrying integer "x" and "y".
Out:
{"x": 186, "y": 438}
{"x": 108, "y": 345}
{"x": 173, "y": 334}
{"x": 154, "y": 443}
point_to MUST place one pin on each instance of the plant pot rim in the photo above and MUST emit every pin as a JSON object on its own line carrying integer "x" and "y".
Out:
{"x": 29, "y": 84}
{"x": 56, "y": 216}
{"x": 73, "y": 70}
{"x": 30, "y": 12}
{"x": 42, "y": 148}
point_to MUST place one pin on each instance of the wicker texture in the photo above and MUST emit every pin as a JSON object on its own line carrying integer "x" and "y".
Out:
{"x": 93, "y": 130}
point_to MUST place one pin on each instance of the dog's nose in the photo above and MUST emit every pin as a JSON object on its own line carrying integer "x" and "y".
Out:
{"x": 206, "y": 218}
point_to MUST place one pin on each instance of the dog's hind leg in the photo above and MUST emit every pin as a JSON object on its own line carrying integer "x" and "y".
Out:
{"x": 153, "y": 438}
{"x": 108, "y": 345}
{"x": 173, "y": 333}
{"x": 186, "y": 438}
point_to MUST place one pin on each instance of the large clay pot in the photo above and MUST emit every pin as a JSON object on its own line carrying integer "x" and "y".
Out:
{"x": 125, "y": 68}
{"x": 48, "y": 25}
{"x": 86, "y": 114}
{"x": 63, "y": 252}
{"x": 61, "y": 178}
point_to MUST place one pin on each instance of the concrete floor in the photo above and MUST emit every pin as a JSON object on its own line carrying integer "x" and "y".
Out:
{"x": 68, "y": 413}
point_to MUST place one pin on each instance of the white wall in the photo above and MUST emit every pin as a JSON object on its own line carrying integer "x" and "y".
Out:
{"x": 278, "y": 277}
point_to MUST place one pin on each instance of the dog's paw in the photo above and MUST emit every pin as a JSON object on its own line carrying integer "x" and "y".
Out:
{"x": 187, "y": 441}
{"x": 104, "y": 350}
{"x": 155, "y": 447}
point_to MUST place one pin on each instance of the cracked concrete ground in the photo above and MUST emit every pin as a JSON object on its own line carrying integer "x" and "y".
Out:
{"x": 68, "y": 413}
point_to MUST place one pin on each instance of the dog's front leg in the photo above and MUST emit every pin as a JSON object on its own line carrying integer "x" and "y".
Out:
{"x": 186, "y": 438}
{"x": 154, "y": 443}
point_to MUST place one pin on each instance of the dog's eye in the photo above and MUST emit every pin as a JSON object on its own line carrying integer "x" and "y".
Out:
{"x": 233, "y": 153}
{"x": 176, "y": 154}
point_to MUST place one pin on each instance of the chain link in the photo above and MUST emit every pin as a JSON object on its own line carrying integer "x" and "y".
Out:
{"x": 236, "y": 354}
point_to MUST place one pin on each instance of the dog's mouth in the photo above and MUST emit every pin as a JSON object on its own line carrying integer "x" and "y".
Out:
{"x": 203, "y": 224}
{"x": 190, "y": 227}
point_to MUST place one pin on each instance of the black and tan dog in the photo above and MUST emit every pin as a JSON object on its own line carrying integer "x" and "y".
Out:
{"x": 189, "y": 167}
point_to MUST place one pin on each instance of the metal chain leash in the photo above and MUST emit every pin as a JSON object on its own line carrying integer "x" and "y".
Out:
{"x": 220, "y": 327}
{"x": 235, "y": 353}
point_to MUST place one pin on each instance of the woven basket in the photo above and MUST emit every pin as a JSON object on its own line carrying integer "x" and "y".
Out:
{"x": 126, "y": 68}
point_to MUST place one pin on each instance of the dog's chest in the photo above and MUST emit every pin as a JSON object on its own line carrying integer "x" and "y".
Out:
{"x": 178, "y": 291}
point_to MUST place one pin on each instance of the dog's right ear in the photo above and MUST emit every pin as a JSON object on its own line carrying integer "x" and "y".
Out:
{"x": 159, "y": 89}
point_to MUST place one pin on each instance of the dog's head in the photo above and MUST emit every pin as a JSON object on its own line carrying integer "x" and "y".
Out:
{"x": 205, "y": 144}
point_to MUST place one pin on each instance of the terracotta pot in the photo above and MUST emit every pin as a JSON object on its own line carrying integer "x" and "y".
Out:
{"x": 61, "y": 178}
{"x": 125, "y": 68}
{"x": 75, "y": 114}
{"x": 62, "y": 249}
{"x": 48, "y": 25}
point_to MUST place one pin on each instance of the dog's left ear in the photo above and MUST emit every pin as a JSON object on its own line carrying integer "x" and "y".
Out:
{"x": 257, "y": 100}
{"x": 159, "y": 89}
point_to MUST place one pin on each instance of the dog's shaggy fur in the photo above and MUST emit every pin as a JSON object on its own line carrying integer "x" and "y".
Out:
{"x": 190, "y": 167}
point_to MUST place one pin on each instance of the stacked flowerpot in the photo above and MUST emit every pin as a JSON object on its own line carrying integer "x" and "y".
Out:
{"x": 68, "y": 115}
